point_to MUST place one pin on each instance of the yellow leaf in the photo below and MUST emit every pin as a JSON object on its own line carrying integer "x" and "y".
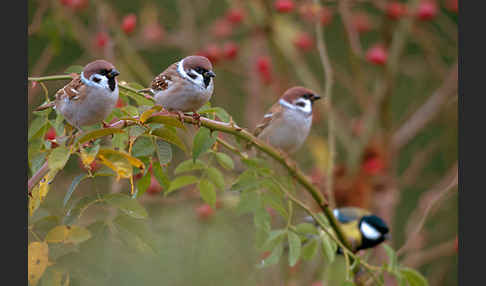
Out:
{"x": 147, "y": 113}
{"x": 68, "y": 234}
{"x": 132, "y": 160}
{"x": 38, "y": 261}
{"x": 122, "y": 167}
{"x": 39, "y": 192}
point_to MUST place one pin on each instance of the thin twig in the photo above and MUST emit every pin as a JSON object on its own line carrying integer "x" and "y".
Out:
{"x": 422, "y": 257}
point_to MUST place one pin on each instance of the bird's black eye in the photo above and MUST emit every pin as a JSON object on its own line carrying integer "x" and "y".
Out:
{"x": 193, "y": 76}
{"x": 96, "y": 79}
{"x": 300, "y": 103}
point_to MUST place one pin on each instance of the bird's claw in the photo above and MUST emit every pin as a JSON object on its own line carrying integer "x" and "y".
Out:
{"x": 197, "y": 117}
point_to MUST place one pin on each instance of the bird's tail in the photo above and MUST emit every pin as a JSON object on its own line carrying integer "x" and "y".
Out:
{"x": 45, "y": 106}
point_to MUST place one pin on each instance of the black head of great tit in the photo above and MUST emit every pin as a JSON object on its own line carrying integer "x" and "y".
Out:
{"x": 362, "y": 228}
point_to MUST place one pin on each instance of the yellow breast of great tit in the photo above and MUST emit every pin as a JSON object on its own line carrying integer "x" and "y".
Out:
{"x": 352, "y": 233}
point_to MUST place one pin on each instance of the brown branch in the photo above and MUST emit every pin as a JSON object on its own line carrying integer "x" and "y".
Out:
{"x": 427, "y": 111}
{"x": 422, "y": 257}
{"x": 417, "y": 164}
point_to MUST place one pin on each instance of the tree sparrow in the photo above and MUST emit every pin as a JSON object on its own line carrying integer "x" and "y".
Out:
{"x": 90, "y": 96}
{"x": 185, "y": 85}
{"x": 289, "y": 120}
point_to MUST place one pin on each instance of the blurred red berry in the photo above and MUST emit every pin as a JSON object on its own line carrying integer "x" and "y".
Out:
{"x": 66, "y": 2}
{"x": 325, "y": 16}
{"x": 427, "y": 10}
{"x": 129, "y": 23}
{"x": 395, "y": 10}
{"x": 218, "y": 204}
{"x": 265, "y": 254}
{"x": 79, "y": 4}
{"x": 93, "y": 167}
{"x": 361, "y": 22}
{"x": 102, "y": 39}
{"x": 230, "y": 50}
{"x": 284, "y": 6}
{"x": 373, "y": 165}
{"x": 304, "y": 42}
{"x": 235, "y": 15}
{"x": 452, "y": 5}
{"x": 317, "y": 283}
{"x": 264, "y": 68}
{"x": 377, "y": 55}
{"x": 213, "y": 52}
{"x": 50, "y": 134}
{"x": 204, "y": 211}
{"x": 153, "y": 32}
{"x": 221, "y": 28}
{"x": 120, "y": 103}
{"x": 34, "y": 84}
{"x": 154, "y": 187}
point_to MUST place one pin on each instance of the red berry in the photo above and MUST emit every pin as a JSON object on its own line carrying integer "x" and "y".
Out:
{"x": 221, "y": 28}
{"x": 154, "y": 187}
{"x": 230, "y": 50}
{"x": 377, "y": 55}
{"x": 129, "y": 23}
{"x": 304, "y": 42}
{"x": 427, "y": 10}
{"x": 361, "y": 22}
{"x": 34, "y": 84}
{"x": 213, "y": 53}
{"x": 50, "y": 134}
{"x": 284, "y": 6}
{"x": 120, "y": 103}
{"x": 325, "y": 16}
{"x": 204, "y": 211}
{"x": 66, "y": 3}
{"x": 264, "y": 68}
{"x": 373, "y": 165}
{"x": 79, "y": 4}
{"x": 396, "y": 10}
{"x": 153, "y": 32}
{"x": 101, "y": 39}
{"x": 452, "y": 5}
{"x": 235, "y": 15}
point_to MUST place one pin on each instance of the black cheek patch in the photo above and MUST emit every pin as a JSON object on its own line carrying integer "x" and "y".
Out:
{"x": 207, "y": 80}
{"x": 111, "y": 83}
{"x": 193, "y": 76}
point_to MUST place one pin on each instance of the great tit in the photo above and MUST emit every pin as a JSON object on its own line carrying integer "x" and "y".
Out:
{"x": 362, "y": 228}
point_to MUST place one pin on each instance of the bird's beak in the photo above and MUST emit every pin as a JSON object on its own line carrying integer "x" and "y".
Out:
{"x": 209, "y": 74}
{"x": 316, "y": 97}
{"x": 113, "y": 73}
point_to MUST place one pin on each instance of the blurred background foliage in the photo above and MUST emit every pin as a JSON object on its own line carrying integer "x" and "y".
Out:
{"x": 259, "y": 49}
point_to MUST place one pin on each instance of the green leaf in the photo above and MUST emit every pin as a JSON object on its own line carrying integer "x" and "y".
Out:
{"x": 135, "y": 233}
{"x": 147, "y": 113}
{"x": 141, "y": 100}
{"x": 58, "y": 158}
{"x": 208, "y": 194}
{"x": 220, "y": 112}
{"x": 166, "y": 120}
{"x": 309, "y": 249}
{"x": 392, "y": 258}
{"x": 225, "y": 161}
{"x": 135, "y": 131}
{"x": 143, "y": 184}
{"x": 413, "y": 277}
{"x": 348, "y": 283}
{"x": 120, "y": 141}
{"x": 307, "y": 228}
{"x": 189, "y": 165}
{"x": 79, "y": 207}
{"x": 180, "y": 182}
{"x": 164, "y": 151}
{"x": 128, "y": 205}
{"x": 294, "y": 247}
{"x": 170, "y": 136}
{"x": 202, "y": 142}
{"x": 273, "y": 258}
{"x": 274, "y": 237}
{"x": 216, "y": 177}
{"x": 328, "y": 247}
{"x": 161, "y": 176}
{"x": 275, "y": 202}
{"x": 74, "y": 69}
{"x": 73, "y": 186}
{"x": 68, "y": 234}
{"x": 143, "y": 147}
{"x": 36, "y": 126}
{"x": 98, "y": 133}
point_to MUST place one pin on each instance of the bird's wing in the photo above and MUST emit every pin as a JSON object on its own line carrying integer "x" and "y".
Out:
{"x": 73, "y": 90}
{"x": 273, "y": 114}
{"x": 164, "y": 80}
{"x": 348, "y": 214}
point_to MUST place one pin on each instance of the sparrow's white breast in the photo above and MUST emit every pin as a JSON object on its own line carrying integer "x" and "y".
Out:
{"x": 184, "y": 96}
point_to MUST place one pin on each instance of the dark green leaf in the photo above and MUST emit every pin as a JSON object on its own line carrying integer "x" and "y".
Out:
{"x": 225, "y": 161}
{"x": 98, "y": 133}
{"x": 309, "y": 249}
{"x": 161, "y": 176}
{"x": 180, "y": 182}
{"x": 73, "y": 186}
{"x": 202, "y": 142}
{"x": 58, "y": 158}
{"x": 413, "y": 277}
{"x": 164, "y": 151}
{"x": 208, "y": 194}
{"x": 189, "y": 165}
{"x": 143, "y": 147}
{"x": 294, "y": 248}
{"x": 143, "y": 183}
{"x": 128, "y": 205}
{"x": 170, "y": 136}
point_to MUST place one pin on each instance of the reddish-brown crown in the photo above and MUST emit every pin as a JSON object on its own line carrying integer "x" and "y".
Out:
{"x": 96, "y": 67}
{"x": 296, "y": 92}
{"x": 193, "y": 62}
